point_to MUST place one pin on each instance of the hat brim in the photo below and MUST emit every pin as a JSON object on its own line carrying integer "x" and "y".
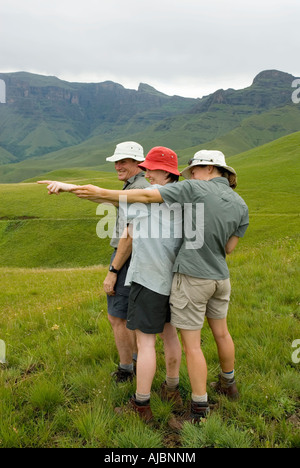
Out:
{"x": 158, "y": 167}
{"x": 186, "y": 173}
{"x": 116, "y": 158}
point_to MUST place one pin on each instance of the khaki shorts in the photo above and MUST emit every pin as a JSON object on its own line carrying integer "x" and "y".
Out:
{"x": 194, "y": 298}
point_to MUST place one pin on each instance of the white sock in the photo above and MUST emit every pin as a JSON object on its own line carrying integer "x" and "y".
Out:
{"x": 228, "y": 375}
{"x": 126, "y": 367}
{"x": 172, "y": 382}
{"x": 200, "y": 398}
{"x": 142, "y": 398}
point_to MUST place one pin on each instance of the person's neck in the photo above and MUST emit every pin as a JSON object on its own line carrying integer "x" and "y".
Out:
{"x": 135, "y": 173}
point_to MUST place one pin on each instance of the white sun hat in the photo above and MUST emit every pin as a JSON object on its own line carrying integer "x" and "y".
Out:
{"x": 127, "y": 149}
{"x": 207, "y": 158}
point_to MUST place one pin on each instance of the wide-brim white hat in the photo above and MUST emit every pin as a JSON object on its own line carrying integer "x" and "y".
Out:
{"x": 127, "y": 149}
{"x": 207, "y": 158}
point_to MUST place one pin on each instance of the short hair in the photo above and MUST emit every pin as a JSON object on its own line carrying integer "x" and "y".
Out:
{"x": 232, "y": 178}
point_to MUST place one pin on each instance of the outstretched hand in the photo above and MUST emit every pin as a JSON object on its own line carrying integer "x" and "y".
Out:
{"x": 57, "y": 187}
{"x": 87, "y": 191}
{"x": 90, "y": 192}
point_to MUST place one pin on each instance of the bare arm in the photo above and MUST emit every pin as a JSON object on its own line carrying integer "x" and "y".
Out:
{"x": 123, "y": 253}
{"x": 101, "y": 195}
{"x": 231, "y": 244}
{"x": 57, "y": 187}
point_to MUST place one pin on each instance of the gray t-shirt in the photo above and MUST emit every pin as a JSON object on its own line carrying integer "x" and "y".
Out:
{"x": 136, "y": 182}
{"x": 213, "y": 213}
{"x": 157, "y": 237}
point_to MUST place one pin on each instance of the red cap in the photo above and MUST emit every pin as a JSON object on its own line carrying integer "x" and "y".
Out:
{"x": 161, "y": 158}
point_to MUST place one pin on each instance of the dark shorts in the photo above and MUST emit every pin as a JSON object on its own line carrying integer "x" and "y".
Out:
{"x": 117, "y": 305}
{"x": 148, "y": 311}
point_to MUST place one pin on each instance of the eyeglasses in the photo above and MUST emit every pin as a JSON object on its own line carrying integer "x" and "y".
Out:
{"x": 200, "y": 160}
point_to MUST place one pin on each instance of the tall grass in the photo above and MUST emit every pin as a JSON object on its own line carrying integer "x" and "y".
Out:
{"x": 56, "y": 389}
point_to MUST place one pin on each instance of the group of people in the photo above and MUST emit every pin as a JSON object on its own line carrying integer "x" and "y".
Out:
{"x": 159, "y": 279}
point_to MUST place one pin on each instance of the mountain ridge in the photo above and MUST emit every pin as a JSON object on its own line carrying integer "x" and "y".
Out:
{"x": 46, "y": 118}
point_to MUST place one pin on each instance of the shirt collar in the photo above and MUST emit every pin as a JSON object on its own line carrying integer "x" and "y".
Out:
{"x": 220, "y": 180}
{"x": 133, "y": 178}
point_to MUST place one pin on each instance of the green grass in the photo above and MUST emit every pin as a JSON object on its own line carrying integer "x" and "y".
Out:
{"x": 62, "y": 225}
{"x": 56, "y": 389}
{"x": 66, "y": 226}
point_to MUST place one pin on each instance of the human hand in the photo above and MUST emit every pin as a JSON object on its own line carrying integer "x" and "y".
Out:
{"x": 90, "y": 192}
{"x": 57, "y": 187}
{"x": 109, "y": 283}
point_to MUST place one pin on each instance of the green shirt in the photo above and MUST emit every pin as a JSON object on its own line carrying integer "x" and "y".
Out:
{"x": 213, "y": 213}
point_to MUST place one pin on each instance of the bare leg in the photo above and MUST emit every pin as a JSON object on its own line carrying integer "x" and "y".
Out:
{"x": 196, "y": 363}
{"x": 124, "y": 339}
{"x": 224, "y": 343}
{"x": 146, "y": 362}
{"x": 172, "y": 348}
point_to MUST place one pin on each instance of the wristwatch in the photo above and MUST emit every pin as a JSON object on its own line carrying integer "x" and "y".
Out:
{"x": 113, "y": 270}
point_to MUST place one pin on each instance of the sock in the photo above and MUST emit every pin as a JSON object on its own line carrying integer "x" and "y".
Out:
{"x": 227, "y": 375}
{"x": 126, "y": 367}
{"x": 172, "y": 382}
{"x": 142, "y": 398}
{"x": 200, "y": 398}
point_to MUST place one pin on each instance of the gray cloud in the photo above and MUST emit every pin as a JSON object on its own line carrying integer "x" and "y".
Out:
{"x": 186, "y": 47}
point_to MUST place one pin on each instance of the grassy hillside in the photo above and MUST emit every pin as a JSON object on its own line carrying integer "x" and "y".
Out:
{"x": 39, "y": 230}
{"x": 56, "y": 390}
{"x": 6, "y": 157}
{"x": 49, "y": 124}
{"x": 45, "y": 114}
{"x": 33, "y": 224}
{"x": 253, "y": 132}
{"x": 181, "y": 134}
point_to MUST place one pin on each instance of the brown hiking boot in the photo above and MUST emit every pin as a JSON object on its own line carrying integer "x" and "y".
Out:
{"x": 197, "y": 413}
{"x": 122, "y": 375}
{"x": 226, "y": 387}
{"x": 143, "y": 410}
{"x": 171, "y": 395}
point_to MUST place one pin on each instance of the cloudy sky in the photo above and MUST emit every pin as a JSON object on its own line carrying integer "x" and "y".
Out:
{"x": 185, "y": 47}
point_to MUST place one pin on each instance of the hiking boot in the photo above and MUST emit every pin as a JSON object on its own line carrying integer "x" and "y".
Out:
{"x": 226, "y": 387}
{"x": 142, "y": 409}
{"x": 121, "y": 375}
{"x": 198, "y": 412}
{"x": 171, "y": 395}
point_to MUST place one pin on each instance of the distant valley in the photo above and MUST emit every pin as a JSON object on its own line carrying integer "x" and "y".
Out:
{"x": 48, "y": 124}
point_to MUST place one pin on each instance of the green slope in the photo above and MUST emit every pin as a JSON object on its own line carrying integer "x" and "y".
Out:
{"x": 176, "y": 133}
{"x": 49, "y": 124}
{"x": 44, "y": 114}
{"x": 6, "y": 157}
{"x": 40, "y": 230}
{"x": 253, "y": 132}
